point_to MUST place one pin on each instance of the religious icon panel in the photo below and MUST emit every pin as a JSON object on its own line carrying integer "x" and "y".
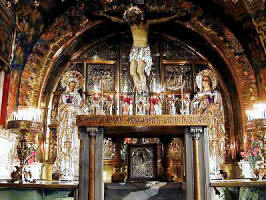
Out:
{"x": 142, "y": 162}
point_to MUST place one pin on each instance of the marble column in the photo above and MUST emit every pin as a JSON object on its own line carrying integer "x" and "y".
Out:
{"x": 196, "y": 133}
{"x": 91, "y": 184}
{"x": 92, "y": 135}
{"x": 118, "y": 175}
{"x": 99, "y": 183}
{"x": 84, "y": 161}
{"x": 167, "y": 161}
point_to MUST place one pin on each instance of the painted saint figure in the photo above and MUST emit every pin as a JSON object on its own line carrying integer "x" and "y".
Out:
{"x": 140, "y": 55}
{"x": 70, "y": 104}
{"x": 209, "y": 101}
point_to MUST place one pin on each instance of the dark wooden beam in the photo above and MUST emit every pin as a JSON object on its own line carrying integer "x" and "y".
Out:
{"x": 94, "y": 61}
{"x": 144, "y": 131}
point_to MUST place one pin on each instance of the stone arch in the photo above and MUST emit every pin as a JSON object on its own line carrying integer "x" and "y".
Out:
{"x": 56, "y": 40}
{"x": 52, "y": 43}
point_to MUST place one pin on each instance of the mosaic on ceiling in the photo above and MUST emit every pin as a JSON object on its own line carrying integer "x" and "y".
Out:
{"x": 6, "y": 37}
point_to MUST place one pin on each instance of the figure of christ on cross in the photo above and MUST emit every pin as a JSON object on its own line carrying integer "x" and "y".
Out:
{"x": 140, "y": 55}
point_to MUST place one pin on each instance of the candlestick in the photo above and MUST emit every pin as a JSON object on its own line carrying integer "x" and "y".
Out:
{"x": 30, "y": 114}
{"x": 102, "y": 84}
{"x": 102, "y": 111}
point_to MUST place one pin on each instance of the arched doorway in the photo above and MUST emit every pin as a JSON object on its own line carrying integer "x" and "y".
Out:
{"x": 142, "y": 157}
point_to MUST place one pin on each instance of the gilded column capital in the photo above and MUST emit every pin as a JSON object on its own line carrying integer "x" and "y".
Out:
{"x": 92, "y": 131}
{"x": 196, "y": 132}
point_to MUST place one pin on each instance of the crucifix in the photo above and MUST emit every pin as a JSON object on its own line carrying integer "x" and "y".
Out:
{"x": 140, "y": 54}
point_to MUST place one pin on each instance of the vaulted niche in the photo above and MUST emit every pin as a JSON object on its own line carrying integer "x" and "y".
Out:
{"x": 108, "y": 88}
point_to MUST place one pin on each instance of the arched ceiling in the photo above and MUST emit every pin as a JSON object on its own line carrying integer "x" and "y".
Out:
{"x": 178, "y": 31}
{"x": 203, "y": 25}
{"x": 32, "y": 19}
{"x": 55, "y": 29}
{"x": 215, "y": 41}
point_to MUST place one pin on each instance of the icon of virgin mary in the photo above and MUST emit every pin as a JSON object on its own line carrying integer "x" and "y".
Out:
{"x": 209, "y": 101}
{"x": 70, "y": 104}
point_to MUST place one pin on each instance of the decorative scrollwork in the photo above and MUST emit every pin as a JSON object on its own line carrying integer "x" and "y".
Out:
{"x": 196, "y": 132}
{"x": 92, "y": 131}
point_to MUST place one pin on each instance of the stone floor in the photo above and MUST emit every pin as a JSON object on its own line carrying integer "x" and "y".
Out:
{"x": 153, "y": 190}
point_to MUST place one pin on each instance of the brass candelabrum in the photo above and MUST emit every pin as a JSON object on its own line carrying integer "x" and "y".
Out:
{"x": 27, "y": 144}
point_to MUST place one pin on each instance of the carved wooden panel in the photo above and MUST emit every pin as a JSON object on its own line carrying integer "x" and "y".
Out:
{"x": 143, "y": 120}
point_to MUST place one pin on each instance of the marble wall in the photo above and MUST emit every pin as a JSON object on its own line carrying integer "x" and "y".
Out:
{"x": 7, "y": 153}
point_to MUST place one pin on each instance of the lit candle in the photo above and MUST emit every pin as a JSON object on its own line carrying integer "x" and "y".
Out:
{"x": 102, "y": 85}
{"x": 118, "y": 104}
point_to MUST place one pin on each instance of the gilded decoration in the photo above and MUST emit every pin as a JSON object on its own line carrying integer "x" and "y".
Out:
{"x": 145, "y": 120}
{"x": 176, "y": 149}
{"x": 70, "y": 104}
{"x": 65, "y": 36}
{"x": 209, "y": 101}
{"x": 108, "y": 149}
{"x": 6, "y": 38}
{"x": 55, "y": 40}
{"x": 100, "y": 78}
{"x": 230, "y": 47}
{"x": 159, "y": 107}
{"x": 178, "y": 77}
{"x": 109, "y": 94}
{"x": 27, "y": 148}
{"x": 38, "y": 66}
{"x": 54, "y": 112}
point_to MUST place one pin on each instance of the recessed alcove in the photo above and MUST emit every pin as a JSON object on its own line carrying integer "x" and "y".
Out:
{"x": 108, "y": 90}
